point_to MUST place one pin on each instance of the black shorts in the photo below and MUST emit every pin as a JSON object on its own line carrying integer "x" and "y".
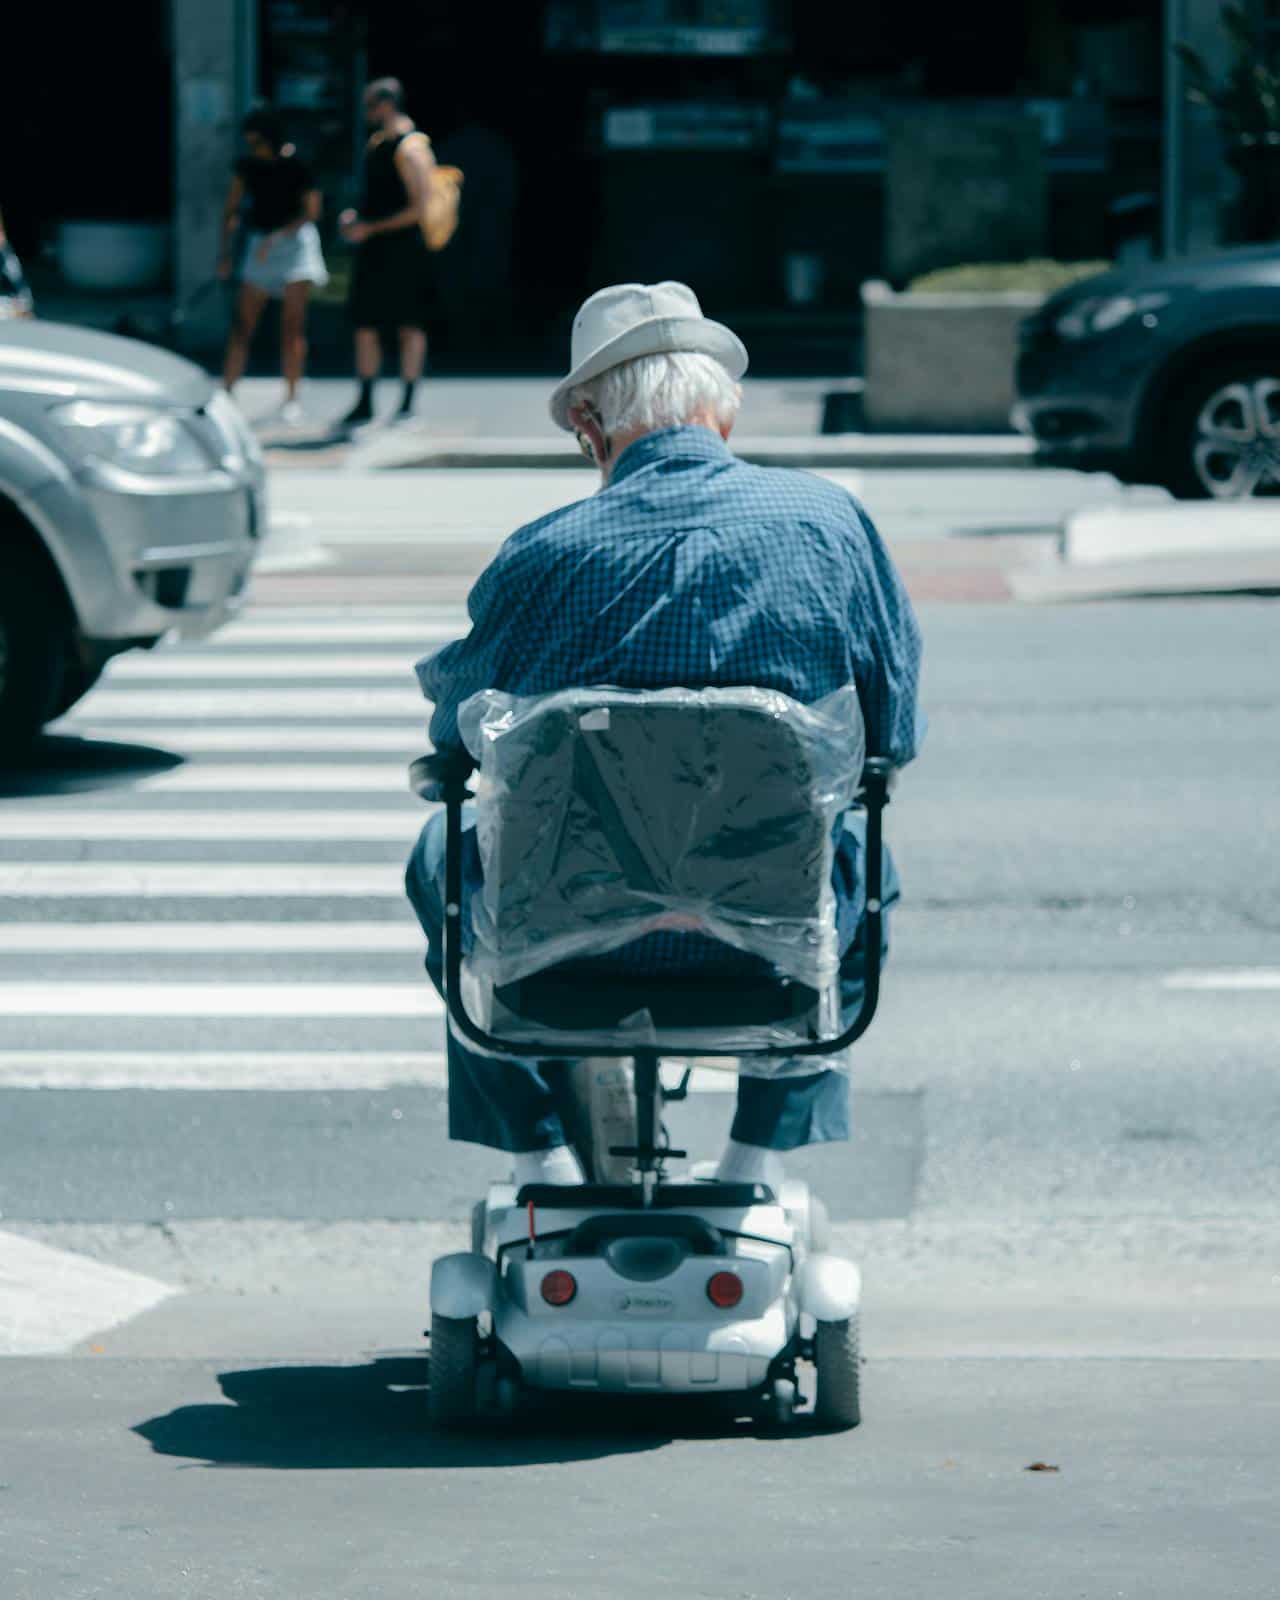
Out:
{"x": 392, "y": 281}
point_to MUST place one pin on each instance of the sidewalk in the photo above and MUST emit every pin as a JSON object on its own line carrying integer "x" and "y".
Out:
{"x": 503, "y": 422}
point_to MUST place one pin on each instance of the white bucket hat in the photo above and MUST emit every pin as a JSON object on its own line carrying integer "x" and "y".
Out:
{"x": 642, "y": 319}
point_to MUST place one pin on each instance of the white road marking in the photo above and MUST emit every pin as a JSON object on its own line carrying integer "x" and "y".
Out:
{"x": 52, "y": 1300}
{"x": 245, "y": 705}
{"x": 270, "y": 664}
{"x": 317, "y": 739}
{"x": 209, "y": 938}
{"x": 370, "y": 616}
{"x": 1225, "y": 978}
{"x": 204, "y": 880}
{"x": 73, "y": 999}
{"x": 204, "y": 826}
{"x": 304, "y": 1072}
{"x": 383, "y": 777}
{"x": 415, "y": 635}
{"x": 217, "y": 1069}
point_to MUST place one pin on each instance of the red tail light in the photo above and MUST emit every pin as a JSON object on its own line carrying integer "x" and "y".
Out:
{"x": 559, "y": 1287}
{"x": 724, "y": 1289}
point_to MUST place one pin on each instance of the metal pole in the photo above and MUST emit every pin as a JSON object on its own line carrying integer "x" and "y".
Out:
{"x": 647, "y": 1127}
{"x": 1173, "y": 231}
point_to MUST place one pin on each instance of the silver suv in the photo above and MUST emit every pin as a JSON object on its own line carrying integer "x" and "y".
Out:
{"x": 131, "y": 503}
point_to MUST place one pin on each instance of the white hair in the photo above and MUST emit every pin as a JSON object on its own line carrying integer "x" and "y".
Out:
{"x": 663, "y": 391}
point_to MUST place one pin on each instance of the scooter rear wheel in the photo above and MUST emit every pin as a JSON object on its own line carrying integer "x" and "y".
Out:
{"x": 835, "y": 1352}
{"x": 451, "y": 1396}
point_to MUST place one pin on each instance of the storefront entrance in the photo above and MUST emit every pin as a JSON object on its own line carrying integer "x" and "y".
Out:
{"x": 737, "y": 144}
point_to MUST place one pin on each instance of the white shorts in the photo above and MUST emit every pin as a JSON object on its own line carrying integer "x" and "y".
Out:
{"x": 294, "y": 258}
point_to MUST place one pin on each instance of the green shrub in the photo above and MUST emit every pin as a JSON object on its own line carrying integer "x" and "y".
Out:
{"x": 1001, "y": 277}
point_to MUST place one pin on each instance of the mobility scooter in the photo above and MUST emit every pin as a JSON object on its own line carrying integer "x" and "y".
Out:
{"x": 606, "y": 819}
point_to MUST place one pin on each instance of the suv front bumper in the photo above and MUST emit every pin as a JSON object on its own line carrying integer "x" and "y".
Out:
{"x": 142, "y": 557}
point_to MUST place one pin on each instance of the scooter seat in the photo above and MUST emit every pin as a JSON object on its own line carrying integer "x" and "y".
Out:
{"x": 563, "y": 998}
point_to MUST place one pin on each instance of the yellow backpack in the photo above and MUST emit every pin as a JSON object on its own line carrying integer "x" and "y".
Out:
{"x": 444, "y": 201}
{"x": 439, "y": 219}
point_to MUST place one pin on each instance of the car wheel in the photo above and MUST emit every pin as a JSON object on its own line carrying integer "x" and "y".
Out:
{"x": 1223, "y": 436}
{"x": 77, "y": 680}
{"x": 33, "y": 649}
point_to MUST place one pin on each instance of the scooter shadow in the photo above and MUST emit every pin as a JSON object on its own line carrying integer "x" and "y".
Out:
{"x": 375, "y": 1416}
{"x": 67, "y": 764}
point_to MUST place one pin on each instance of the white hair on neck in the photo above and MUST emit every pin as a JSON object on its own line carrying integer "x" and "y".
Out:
{"x": 662, "y": 391}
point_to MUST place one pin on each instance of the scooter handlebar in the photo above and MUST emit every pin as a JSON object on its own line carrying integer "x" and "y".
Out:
{"x": 435, "y": 775}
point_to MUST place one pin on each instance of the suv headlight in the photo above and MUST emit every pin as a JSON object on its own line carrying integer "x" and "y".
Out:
{"x": 137, "y": 438}
{"x": 1102, "y": 313}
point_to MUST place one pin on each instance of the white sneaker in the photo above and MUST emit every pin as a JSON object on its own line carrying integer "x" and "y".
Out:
{"x": 291, "y": 414}
{"x": 558, "y": 1165}
{"x": 750, "y": 1163}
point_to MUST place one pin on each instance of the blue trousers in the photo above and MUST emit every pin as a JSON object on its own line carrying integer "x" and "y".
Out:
{"x": 516, "y": 1105}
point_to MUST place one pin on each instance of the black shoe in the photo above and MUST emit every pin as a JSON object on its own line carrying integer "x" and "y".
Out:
{"x": 359, "y": 414}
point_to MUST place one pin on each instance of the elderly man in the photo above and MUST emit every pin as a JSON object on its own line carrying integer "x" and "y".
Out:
{"x": 688, "y": 568}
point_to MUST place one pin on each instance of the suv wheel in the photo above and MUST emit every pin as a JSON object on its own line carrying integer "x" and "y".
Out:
{"x": 33, "y": 650}
{"x": 1223, "y": 436}
{"x": 77, "y": 680}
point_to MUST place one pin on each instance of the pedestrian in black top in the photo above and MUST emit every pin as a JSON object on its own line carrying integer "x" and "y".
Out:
{"x": 392, "y": 277}
{"x": 282, "y": 258}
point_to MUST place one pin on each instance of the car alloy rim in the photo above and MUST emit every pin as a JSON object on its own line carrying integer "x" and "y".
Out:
{"x": 1237, "y": 444}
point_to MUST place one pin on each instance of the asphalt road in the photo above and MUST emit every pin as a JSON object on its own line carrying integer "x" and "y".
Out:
{"x": 223, "y": 1172}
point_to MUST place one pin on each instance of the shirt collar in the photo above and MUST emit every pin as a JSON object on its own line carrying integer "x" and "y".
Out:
{"x": 685, "y": 443}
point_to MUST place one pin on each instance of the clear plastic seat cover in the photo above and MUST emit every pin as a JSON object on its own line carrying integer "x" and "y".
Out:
{"x": 604, "y": 815}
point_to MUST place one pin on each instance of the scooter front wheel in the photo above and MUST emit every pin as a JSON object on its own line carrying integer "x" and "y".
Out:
{"x": 451, "y": 1395}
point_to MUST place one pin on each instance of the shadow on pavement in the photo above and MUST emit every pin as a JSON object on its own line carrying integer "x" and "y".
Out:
{"x": 300, "y": 443}
{"x": 61, "y": 764}
{"x": 375, "y": 1416}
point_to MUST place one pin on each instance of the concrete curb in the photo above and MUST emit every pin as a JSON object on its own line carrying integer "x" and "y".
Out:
{"x": 1191, "y": 548}
{"x": 1107, "y": 535}
{"x": 854, "y": 451}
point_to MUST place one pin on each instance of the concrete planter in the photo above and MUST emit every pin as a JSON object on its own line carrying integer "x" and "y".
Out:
{"x": 940, "y": 363}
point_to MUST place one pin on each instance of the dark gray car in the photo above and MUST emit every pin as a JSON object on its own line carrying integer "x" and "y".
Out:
{"x": 131, "y": 502}
{"x": 1163, "y": 374}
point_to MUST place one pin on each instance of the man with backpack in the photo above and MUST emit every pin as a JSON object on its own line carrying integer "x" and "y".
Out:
{"x": 407, "y": 210}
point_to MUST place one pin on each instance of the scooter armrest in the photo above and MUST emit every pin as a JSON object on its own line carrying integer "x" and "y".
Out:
{"x": 439, "y": 773}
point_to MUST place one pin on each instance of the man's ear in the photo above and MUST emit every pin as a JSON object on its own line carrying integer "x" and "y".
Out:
{"x": 726, "y": 428}
{"x": 587, "y": 425}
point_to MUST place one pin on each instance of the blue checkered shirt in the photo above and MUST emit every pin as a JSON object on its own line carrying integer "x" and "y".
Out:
{"x": 692, "y": 569}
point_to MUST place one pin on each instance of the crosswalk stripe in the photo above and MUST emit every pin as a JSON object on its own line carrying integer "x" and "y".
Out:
{"x": 304, "y": 1072}
{"x": 383, "y": 777}
{"x": 123, "y": 704}
{"x": 74, "y": 999}
{"x": 249, "y": 634}
{"x": 209, "y": 938}
{"x": 1243, "y": 978}
{"x": 51, "y": 1299}
{"x": 373, "y": 615}
{"x": 197, "y": 880}
{"x": 316, "y": 739}
{"x": 200, "y": 826}
{"x": 270, "y": 664}
{"x": 218, "y": 1069}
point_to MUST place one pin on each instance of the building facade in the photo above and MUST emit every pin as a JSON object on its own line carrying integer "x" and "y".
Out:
{"x": 775, "y": 153}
